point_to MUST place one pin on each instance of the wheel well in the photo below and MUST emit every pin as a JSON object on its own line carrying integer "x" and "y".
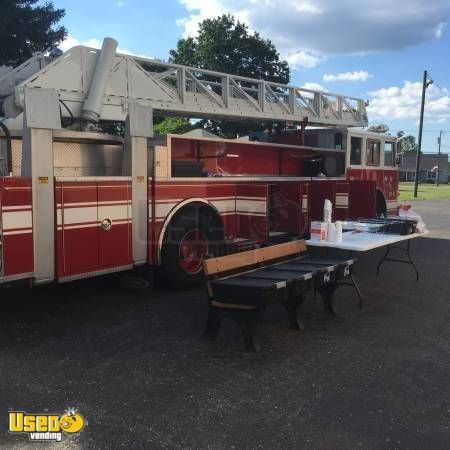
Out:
{"x": 199, "y": 207}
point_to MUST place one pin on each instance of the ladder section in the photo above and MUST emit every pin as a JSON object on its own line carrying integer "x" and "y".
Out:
{"x": 247, "y": 98}
{"x": 176, "y": 89}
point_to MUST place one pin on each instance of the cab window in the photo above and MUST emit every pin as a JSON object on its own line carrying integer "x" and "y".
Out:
{"x": 355, "y": 151}
{"x": 373, "y": 153}
{"x": 389, "y": 156}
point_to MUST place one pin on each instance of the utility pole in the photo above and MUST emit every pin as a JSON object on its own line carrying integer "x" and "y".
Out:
{"x": 439, "y": 157}
{"x": 426, "y": 83}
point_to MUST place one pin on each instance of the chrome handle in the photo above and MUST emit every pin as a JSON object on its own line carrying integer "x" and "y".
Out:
{"x": 107, "y": 224}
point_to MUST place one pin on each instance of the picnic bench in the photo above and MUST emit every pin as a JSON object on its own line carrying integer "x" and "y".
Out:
{"x": 240, "y": 286}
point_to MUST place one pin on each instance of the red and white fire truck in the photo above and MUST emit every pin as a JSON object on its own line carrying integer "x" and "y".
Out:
{"x": 78, "y": 203}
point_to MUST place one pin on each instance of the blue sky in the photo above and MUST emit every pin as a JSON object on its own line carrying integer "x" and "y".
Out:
{"x": 374, "y": 49}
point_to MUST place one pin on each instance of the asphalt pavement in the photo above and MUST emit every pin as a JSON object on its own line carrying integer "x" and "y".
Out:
{"x": 136, "y": 367}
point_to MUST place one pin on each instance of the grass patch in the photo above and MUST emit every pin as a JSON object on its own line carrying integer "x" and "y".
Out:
{"x": 425, "y": 192}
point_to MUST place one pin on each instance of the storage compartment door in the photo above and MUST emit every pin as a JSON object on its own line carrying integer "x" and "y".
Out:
{"x": 16, "y": 227}
{"x": 114, "y": 224}
{"x": 77, "y": 228}
{"x": 252, "y": 212}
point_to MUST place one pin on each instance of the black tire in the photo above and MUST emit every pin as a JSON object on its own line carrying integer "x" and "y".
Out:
{"x": 172, "y": 271}
{"x": 380, "y": 205}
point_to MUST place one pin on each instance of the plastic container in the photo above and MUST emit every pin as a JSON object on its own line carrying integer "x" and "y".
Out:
{"x": 331, "y": 232}
{"x": 338, "y": 232}
{"x": 327, "y": 211}
{"x": 319, "y": 231}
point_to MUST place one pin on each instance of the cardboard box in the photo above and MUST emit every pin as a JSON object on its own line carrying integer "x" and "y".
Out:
{"x": 319, "y": 231}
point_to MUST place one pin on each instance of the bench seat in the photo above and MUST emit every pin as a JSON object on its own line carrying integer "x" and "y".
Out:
{"x": 242, "y": 287}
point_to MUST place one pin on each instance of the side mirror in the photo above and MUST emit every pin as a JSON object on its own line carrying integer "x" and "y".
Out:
{"x": 398, "y": 158}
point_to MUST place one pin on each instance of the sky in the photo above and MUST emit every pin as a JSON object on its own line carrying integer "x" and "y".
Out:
{"x": 373, "y": 49}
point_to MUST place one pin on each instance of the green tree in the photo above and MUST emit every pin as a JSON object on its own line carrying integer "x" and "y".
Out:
{"x": 27, "y": 27}
{"x": 226, "y": 45}
{"x": 173, "y": 125}
{"x": 407, "y": 143}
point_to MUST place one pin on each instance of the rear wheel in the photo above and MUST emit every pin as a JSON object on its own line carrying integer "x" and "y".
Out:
{"x": 189, "y": 239}
{"x": 193, "y": 249}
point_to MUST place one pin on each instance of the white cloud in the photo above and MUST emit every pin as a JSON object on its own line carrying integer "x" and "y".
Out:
{"x": 403, "y": 102}
{"x": 121, "y": 3}
{"x": 200, "y": 10}
{"x": 329, "y": 27}
{"x": 313, "y": 86}
{"x": 70, "y": 42}
{"x": 360, "y": 75}
{"x": 303, "y": 59}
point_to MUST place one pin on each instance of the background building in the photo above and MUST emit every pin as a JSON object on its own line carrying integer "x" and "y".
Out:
{"x": 430, "y": 165}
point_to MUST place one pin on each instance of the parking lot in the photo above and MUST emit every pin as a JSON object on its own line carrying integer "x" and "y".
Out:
{"x": 137, "y": 368}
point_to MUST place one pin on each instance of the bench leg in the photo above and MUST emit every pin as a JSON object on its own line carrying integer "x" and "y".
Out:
{"x": 247, "y": 320}
{"x": 292, "y": 306}
{"x": 327, "y": 292}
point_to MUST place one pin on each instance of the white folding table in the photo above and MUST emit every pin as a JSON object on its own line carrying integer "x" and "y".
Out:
{"x": 363, "y": 241}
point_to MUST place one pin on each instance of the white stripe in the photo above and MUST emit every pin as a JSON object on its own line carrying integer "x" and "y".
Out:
{"x": 114, "y": 212}
{"x": 88, "y": 204}
{"x": 251, "y": 206}
{"x": 244, "y": 197}
{"x": 93, "y": 214}
{"x": 162, "y": 209}
{"x": 211, "y": 199}
{"x": 171, "y": 200}
{"x": 25, "y": 231}
{"x": 17, "y": 219}
{"x": 16, "y": 208}
{"x": 75, "y": 227}
{"x": 243, "y": 213}
{"x": 79, "y": 215}
{"x": 93, "y": 225}
{"x": 224, "y": 205}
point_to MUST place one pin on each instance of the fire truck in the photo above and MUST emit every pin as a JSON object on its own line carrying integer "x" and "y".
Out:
{"x": 77, "y": 203}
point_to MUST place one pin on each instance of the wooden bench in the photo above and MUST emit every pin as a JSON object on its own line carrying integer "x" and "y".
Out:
{"x": 240, "y": 286}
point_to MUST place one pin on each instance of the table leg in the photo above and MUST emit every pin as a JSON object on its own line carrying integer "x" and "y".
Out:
{"x": 403, "y": 261}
